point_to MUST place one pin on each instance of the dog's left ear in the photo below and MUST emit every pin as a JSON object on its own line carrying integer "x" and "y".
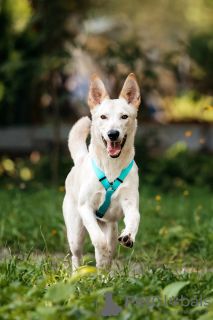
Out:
{"x": 131, "y": 91}
{"x": 97, "y": 92}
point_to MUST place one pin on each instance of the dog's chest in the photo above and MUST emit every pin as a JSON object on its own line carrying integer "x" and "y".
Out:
{"x": 114, "y": 212}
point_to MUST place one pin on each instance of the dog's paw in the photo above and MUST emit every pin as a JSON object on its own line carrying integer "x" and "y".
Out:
{"x": 126, "y": 240}
{"x": 104, "y": 264}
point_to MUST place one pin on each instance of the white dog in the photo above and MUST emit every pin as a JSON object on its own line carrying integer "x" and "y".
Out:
{"x": 103, "y": 184}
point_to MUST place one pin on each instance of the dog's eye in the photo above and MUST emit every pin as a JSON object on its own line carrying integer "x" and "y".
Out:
{"x": 103, "y": 117}
{"x": 124, "y": 116}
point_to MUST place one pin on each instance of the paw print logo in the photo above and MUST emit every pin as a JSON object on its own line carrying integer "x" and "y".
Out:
{"x": 174, "y": 301}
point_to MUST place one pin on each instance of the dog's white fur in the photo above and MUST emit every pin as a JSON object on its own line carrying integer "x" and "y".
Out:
{"x": 84, "y": 192}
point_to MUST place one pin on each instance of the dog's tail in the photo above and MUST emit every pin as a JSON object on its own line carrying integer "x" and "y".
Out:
{"x": 77, "y": 139}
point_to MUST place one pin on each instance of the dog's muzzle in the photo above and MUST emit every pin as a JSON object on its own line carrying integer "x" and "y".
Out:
{"x": 114, "y": 147}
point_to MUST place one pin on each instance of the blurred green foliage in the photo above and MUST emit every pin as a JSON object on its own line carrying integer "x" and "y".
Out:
{"x": 180, "y": 171}
{"x": 34, "y": 48}
{"x": 192, "y": 106}
{"x": 175, "y": 169}
{"x": 201, "y": 50}
{"x": 168, "y": 47}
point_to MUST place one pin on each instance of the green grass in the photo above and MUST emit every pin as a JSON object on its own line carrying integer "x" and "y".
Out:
{"x": 175, "y": 232}
{"x": 179, "y": 226}
{"x": 45, "y": 289}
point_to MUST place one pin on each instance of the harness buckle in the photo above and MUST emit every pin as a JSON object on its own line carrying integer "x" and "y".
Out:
{"x": 111, "y": 187}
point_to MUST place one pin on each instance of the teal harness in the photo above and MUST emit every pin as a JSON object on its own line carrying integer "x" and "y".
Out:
{"x": 110, "y": 187}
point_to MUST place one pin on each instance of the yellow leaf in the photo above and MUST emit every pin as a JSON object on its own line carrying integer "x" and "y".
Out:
{"x": 81, "y": 272}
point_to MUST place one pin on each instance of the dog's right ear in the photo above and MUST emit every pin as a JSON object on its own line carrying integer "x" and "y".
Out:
{"x": 97, "y": 92}
{"x": 131, "y": 91}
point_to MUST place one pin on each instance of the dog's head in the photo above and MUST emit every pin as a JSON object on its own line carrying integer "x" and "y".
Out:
{"x": 114, "y": 120}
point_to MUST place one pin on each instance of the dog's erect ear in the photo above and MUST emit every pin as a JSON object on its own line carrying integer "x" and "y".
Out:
{"x": 131, "y": 91}
{"x": 97, "y": 92}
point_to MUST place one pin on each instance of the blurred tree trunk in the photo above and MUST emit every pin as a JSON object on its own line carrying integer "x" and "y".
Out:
{"x": 56, "y": 130}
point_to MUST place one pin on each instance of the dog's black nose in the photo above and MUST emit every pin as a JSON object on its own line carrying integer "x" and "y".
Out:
{"x": 113, "y": 135}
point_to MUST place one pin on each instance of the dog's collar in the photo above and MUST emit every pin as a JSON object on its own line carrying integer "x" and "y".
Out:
{"x": 110, "y": 188}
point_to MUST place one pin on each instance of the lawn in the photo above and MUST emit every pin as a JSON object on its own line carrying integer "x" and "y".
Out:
{"x": 172, "y": 256}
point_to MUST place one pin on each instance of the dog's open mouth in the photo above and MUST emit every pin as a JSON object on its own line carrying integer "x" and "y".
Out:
{"x": 114, "y": 147}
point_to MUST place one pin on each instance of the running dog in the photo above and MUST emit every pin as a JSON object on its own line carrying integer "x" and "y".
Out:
{"x": 103, "y": 184}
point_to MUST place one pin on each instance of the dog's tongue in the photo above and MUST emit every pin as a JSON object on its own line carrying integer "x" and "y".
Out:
{"x": 113, "y": 148}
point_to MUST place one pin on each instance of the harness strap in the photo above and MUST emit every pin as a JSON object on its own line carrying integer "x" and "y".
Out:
{"x": 110, "y": 188}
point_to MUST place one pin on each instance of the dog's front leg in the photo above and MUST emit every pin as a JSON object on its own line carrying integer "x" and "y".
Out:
{"x": 97, "y": 236}
{"x": 131, "y": 220}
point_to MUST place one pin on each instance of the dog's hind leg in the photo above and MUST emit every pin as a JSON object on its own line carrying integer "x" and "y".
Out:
{"x": 76, "y": 231}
